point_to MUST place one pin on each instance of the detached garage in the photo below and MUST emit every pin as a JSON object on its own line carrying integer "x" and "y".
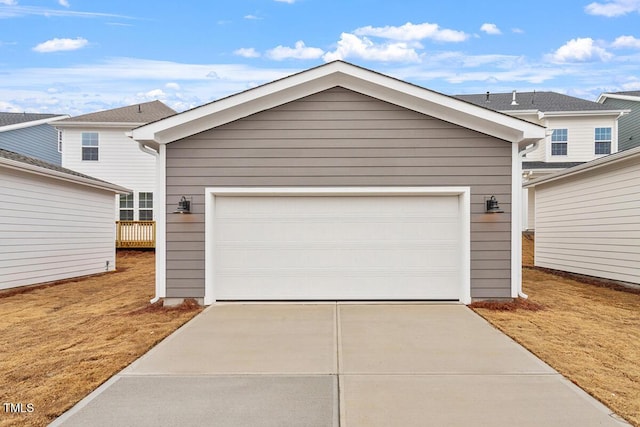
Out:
{"x": 338, "y": 183}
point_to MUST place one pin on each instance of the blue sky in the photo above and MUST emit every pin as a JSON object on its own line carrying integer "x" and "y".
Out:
{"x": 80, "y": 56}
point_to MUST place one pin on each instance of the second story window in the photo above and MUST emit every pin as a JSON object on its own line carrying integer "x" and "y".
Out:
{"x": 90, "y": 146}
{"x": 603, "y": 141}
{"x": 126, "y": 207}
{"x": 559, "y": 142}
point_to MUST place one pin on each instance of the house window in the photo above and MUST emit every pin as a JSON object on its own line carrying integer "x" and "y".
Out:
{"x": 59, "y": 141}
{"x": 559, "y": 140}
{"x": 126, "y": 207}
{"x": 90, "y": 146}
{"x": 145, "y": 203}
{"x": 603, "y": 141}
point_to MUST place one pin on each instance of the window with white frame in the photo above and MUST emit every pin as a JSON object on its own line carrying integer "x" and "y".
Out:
{"x": 145, "y": 205}
{"x": 126, "y": 207}
{"x": 59, "y": 141}
{"x": 603, "y": 141}
{"x": 90, "y": 146}
{"x": 559, "y": 142}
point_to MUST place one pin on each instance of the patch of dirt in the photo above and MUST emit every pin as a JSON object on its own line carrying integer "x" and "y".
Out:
{"x": 62, "y": 340}
{"x": 517, "y": 304}
{"x": 590, "y": 334}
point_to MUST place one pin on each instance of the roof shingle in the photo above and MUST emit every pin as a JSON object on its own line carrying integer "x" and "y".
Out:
{"x": 7, "y": 119}
{"x": 540, "y": 101}
{"x": 139, "y": 113}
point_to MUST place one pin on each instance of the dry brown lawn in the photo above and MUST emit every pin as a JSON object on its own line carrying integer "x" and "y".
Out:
{"x": 60, "y": 342}
{"x": 589, "y": 333}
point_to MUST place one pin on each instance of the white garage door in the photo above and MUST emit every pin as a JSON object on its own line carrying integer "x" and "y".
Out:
{"x": 336, "y": 247}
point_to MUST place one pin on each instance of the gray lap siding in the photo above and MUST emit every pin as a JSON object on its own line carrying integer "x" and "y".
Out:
{"x": 340, "y": 138}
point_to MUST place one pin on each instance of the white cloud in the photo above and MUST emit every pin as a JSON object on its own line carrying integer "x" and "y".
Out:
{"x": 247, "y": 52}
{"x": 64, "y": 3}
{"x": 252, "y": 17}
{"x": 490, "y": 29}
{"x": 352, "y": 46}
{"x": 286, "y": 1}
{"x": 626, "y": 41}
{"x": 14, "y": 11}
{"x": 517, "y": 30}
{"x": 9, "y": 2}
{"x": 409, "y": 32}
{"x": 57, "y": 45}
{"x": 172, "y": 86}
{"x": 300, "y": 51}
{"x": 613, "y": 8}
{"x": 580, "y": 50}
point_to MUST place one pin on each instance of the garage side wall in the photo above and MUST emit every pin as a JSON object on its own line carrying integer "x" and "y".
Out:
{"x": 340, "y": 138}
{"x": 590, "y": 224}
{"x": 52, "y": 230}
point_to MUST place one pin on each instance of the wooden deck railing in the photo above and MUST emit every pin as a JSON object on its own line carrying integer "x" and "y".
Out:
{"x": 135, "y": 234}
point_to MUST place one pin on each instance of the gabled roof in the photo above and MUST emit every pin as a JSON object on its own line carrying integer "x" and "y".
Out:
{"x": 633, "y": 153}
{"x": 18, "y": 161}
{"x": 13, "y": 121}
{"x": 132, "y": 116}
{"x": 327, "y": 76}
{"x": 544, "y": 102}
{"x": 630, "y": 95}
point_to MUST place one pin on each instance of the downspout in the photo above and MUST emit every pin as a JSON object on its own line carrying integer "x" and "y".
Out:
{"x": 523, "y": 153}
{"x": 154, "y": 153}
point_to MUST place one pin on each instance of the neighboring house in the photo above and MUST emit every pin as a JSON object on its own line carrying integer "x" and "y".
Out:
{"x": 579, "y": 131}
{"x": 96, "y": 144}
{"x": 55, "y": 223}
{"x": 629, "y": 125}
{"x": 588, "y": 218}
{"x": 338, "y": 183}
{"x": 32, "y": 135}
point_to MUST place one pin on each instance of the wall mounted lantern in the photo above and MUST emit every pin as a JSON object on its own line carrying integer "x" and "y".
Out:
{"x": 492, "y": 205}
{"x": 184, "y": 206}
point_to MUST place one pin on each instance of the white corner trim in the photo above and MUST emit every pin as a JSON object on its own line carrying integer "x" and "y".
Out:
{"x": 463, "y": 193}
{"x": 161, "y": 224}
{"x": 516, "y": 223}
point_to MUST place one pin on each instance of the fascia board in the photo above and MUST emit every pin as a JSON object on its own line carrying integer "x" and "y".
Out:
{"x": 32, "y": 123}
{"x": 12, "y": 164}
{"x": 351, "y": 77}
{"x": 604, "y": 96}
{"x": 587, "y": 113}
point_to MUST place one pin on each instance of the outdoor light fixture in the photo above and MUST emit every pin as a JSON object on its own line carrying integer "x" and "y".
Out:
{"x": 492, "y": 205}
{"x": 184, "y": 206}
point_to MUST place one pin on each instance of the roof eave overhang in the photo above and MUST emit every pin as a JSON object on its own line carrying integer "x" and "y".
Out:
{"x": 611, "y": 159}
{"x": 582, "y": 113}
{"x": 32, "y": 123}
{"x": 37, "y": 170}
{"x": 604, "y": 96}
{"x": 102, "y": 125}
{"x": 334, "y": 74}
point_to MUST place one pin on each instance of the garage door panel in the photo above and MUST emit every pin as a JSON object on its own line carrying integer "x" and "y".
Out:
{"x": 337, "y": 247}
{"x": 364, "y": 230}
{"x": 294, "y": 255}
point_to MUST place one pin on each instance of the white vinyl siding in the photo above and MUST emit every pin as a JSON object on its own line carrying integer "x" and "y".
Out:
{"x": 52, "y": 230}
{"x": 121, "y": 162}
{"x": 581, "y": 131}
{"x": 590, "y": 224}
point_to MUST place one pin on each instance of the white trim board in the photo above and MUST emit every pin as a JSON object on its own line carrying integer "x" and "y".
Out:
{"x": 464, "y": 200}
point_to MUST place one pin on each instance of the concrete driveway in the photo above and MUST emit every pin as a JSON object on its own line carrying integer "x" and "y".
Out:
{"x": 338, "y": 364}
